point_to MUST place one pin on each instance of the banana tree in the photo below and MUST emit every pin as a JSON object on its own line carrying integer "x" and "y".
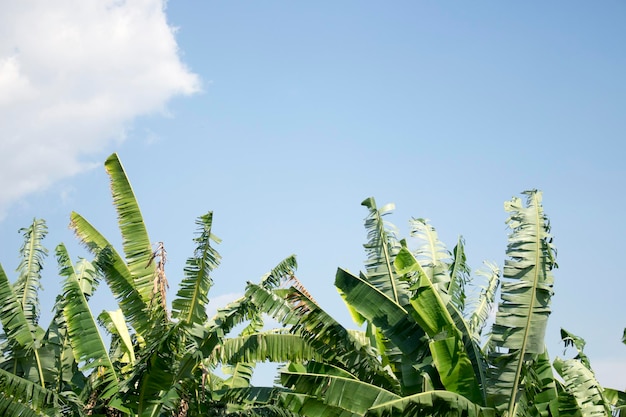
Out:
{"x": 162, "y": 362}
{"x": 423, "y": 350}
{"x": 38, "y": 372}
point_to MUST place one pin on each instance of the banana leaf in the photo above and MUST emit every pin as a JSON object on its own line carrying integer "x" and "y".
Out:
{"x": 432, "y": 403}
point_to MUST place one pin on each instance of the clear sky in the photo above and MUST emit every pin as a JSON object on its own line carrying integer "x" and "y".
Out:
{"x": 281, "y": 117}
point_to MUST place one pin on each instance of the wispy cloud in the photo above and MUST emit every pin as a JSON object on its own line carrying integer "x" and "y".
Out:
{"x": 72, "y": 76}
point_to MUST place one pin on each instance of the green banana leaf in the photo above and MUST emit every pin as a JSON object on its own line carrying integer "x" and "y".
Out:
{"x": 87, "y": 344}
{"x": 22, "y": 340}
{"x": 20, "y": 397}
{"x": 526, "y": 289}
{"x": 347, "y": 393}
{"x": 432, "y": 403}
{"x": 432, "y": 255}
{"x": 115, "y": 323}
{"x": 192, "y": 298}
{"x": 460, "y": 275}
{"x": 582, "y": 384}
{"x": 116, "y": 274}
{"x": 328, "y": 337}
{"x": 260, "y": 347}
{"x": 482, "y": 307}
{"x": 381, "y": 248}
{"x": 135, "y": 241}
{"x": 312, "y": 406}
{"x": 28, "y": 283}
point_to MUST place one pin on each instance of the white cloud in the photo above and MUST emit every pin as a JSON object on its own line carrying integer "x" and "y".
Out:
{"x": 72, "y": 76}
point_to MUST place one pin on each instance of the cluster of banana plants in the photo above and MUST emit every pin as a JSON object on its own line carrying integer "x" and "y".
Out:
{"x": 422, "y": 348}
{"x": 157, "y": 363}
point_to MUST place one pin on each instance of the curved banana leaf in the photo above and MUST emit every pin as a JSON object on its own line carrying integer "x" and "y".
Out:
{"x": 478, "y": 317}
{"x": 350, "y": 394}
{"x": 277, "y": 275}
{"x": 84, "y": 271}
{"x": 381, "y": 248}
{"x": 432, "y": 403}
{"x": 432, "y": 255}
{"x": 28, "y": 282}
{"x": 260, "y": 347}
{"x": 249, "y": 395}
{"x": 311, "y": 406}
{"x": 115, "y": 323}
{"x": 135, "y": 241}
{"x": 240, "y": 375}
{"x": 328, "y": 337}
{"x": 192, "y": 298}
{"x": 582, "y": 384}
{"x": 116, "y": 274}
{"x": 389, "y": 317}
{"x": 473, "y": 351}
{"x": 526, "y": 290}
{"x": 321, "y": 368}
{"x": 338, "y": 345}
{"x": 447, "y": 346}
{"x": 85, "y": 339}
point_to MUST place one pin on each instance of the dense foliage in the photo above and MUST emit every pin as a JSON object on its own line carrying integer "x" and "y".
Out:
{"x": 421, "y": 349}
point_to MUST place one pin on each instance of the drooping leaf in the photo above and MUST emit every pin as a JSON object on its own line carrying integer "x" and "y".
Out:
{"x": 261, "y": 347}
{"x": 432, "y": 403}
{"x": 312, "y": 406}
{"x": 328, "y": 337}
{"x": 392, "y": 319}
{"x": 347, "y": 393}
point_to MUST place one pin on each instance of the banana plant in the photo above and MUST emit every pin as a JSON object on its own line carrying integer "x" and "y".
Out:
{"x": 37, "y": 370}
{"x": 162, "y": 362}
{"x": 423, "y": 350}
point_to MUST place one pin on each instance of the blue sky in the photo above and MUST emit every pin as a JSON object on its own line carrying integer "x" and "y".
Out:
{"x": 282, "y": 117}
